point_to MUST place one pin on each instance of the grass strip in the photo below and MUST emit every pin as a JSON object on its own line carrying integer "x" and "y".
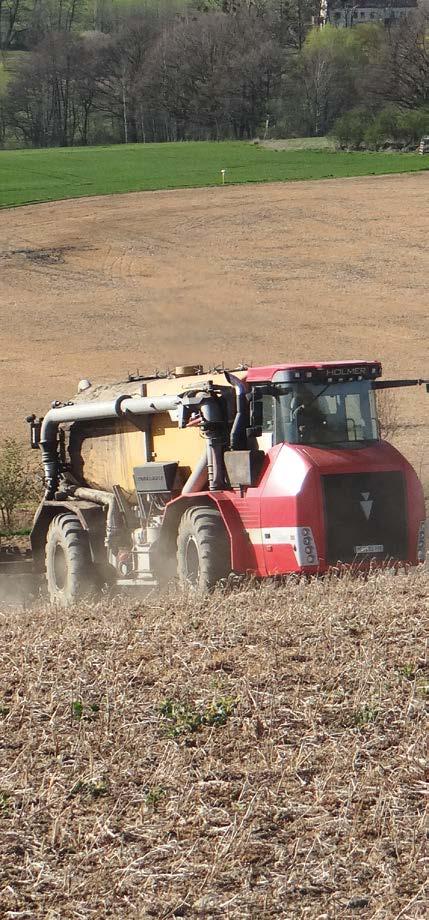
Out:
{"x": 30, "y": 176}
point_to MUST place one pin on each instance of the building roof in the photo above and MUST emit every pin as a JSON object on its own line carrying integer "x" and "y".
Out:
{"x": 384, "y": 5}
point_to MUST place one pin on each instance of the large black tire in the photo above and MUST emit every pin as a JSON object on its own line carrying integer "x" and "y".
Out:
{"x": 70, "y": 573}
{"x": 203, "y": 550}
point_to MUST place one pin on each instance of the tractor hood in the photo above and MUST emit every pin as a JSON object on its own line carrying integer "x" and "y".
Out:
{"x": 376, "y": 456}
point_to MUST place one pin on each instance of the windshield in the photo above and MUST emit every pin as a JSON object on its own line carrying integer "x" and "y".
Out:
{"x": 309, "y": 413}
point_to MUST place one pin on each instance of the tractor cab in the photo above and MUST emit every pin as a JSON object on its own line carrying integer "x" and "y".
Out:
{"x": 325, "y": 405}
{"x": 331, "y": 490}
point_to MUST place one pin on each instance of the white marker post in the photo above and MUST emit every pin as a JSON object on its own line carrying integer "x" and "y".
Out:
{"x": 222, "y": 172}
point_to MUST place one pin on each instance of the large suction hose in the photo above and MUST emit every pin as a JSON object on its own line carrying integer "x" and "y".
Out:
{"x": 106, "y": 500}
{"x": 122, "y": 407}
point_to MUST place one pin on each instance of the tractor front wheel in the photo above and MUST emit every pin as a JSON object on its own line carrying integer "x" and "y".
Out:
{"x": 203, "y": 551}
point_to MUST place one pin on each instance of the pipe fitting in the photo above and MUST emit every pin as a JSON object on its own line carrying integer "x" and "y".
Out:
{"x": 118, "y": 406}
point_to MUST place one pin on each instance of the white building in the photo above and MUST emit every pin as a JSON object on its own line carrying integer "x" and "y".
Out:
{"x": 345, "y": 13}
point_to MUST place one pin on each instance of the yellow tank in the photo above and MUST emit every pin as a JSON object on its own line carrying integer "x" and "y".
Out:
{"x": 104, "y": 453}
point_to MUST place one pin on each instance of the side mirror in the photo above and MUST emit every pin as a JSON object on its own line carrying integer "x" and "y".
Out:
{"x": 35, "y": 429}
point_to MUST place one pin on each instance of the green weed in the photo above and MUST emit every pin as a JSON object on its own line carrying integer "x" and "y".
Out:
{"x": 407, "y": 671}
{"x": 183, "y": 719}
{"x": 365, "y": 716}
{"x": 4, "y": 802}
{"x": 154, "y": 796}
{"x": 77, "y": 709}
{"x": 92, "y": 788}
{"x": 422, "y": 687}
{"x": 87, "y": 712}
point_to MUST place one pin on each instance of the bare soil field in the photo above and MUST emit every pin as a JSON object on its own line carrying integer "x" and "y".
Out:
{"x": 329, "y": 269}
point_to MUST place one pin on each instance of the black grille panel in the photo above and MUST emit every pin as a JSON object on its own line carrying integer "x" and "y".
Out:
{"x": 364, "y": 512}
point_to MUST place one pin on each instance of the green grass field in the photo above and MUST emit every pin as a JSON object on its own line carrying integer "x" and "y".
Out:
{"x": 28, "y": 176}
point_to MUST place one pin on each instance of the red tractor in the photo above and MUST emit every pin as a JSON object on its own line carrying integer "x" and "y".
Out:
{"x": 293, "y": 478}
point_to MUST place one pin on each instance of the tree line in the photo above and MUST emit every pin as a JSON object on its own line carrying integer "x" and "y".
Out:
{"x": 79, "y": 72}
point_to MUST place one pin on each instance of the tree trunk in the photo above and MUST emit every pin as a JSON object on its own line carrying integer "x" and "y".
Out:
{"x": 124, "y": 108}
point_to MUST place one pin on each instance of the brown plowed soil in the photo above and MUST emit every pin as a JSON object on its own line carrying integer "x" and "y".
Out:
{"x": 333, "y": 269}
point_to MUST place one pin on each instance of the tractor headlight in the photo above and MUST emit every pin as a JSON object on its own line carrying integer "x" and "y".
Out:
{"x": 305, "y": 551}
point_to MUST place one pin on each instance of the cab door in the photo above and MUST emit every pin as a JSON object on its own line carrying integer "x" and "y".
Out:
{"x": 247, "y": 500}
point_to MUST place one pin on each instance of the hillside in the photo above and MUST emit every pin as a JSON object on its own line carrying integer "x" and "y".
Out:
{"x": 96, "y": 287}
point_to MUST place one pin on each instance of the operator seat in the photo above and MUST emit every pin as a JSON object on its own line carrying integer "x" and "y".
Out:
{"x": 312, "y": 418}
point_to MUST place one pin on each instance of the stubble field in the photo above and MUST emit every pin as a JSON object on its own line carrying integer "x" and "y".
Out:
{"x": 256, "y": 756}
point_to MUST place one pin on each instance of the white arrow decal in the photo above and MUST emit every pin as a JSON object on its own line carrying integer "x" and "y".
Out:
{"x": 366, "y": 504}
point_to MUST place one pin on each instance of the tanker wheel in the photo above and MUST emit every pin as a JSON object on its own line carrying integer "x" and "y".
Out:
{"x": 203, "y": 552}
{"x": 69, "y": 570}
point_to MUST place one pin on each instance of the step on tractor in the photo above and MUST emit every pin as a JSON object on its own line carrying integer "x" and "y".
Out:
{"x": 261, "y": 471}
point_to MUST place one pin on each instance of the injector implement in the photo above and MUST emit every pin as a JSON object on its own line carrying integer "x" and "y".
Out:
{"x": 265, "y": 471}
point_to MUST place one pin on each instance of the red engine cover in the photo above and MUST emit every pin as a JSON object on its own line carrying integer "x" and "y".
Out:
{"x": 316, "y": 507}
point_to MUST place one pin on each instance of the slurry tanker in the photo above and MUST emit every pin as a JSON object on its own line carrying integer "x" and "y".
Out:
{"x": 263, "y": 471}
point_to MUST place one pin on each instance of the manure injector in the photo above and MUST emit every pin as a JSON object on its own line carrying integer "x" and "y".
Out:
{"x": 264, "y": 471}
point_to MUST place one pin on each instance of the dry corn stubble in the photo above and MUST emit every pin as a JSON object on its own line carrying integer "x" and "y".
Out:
{"x": 260, "y": 754}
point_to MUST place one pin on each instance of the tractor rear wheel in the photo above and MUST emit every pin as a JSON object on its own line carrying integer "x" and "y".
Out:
{"x": 203, "y": 551}
{"x": 69, "y": 570}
